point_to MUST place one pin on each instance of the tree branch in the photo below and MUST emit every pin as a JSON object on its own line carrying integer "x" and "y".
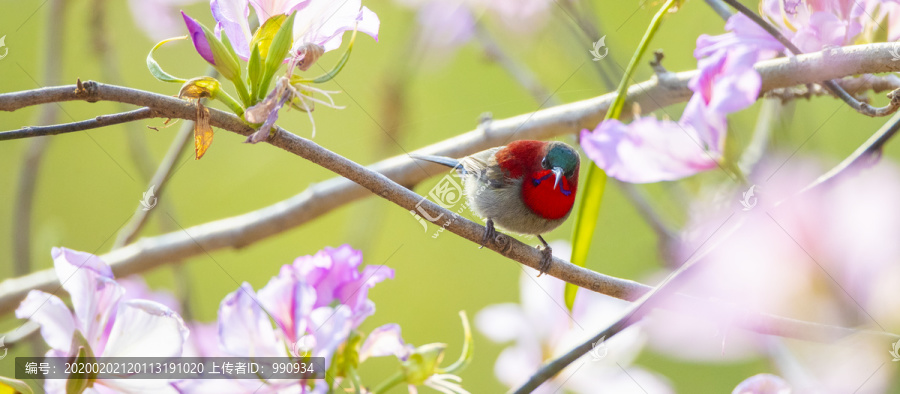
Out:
{"x": 96, "y": 123}
{"x": 321, "y": 198}
{"x": 862, "y": 157}
{"x": 123, "y": 260}
{"x": 832, "y": 86}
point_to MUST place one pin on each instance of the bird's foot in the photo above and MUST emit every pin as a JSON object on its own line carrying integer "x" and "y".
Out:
{"x": 489, "y": 233}
{"x": 546, "y": 260}
{"x": 546, "y": 257}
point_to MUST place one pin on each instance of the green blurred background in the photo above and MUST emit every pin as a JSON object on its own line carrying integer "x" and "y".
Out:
{"x": 90, "y": 184}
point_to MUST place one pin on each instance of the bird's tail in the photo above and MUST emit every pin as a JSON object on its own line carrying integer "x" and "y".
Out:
{"x": 447, "y": 161}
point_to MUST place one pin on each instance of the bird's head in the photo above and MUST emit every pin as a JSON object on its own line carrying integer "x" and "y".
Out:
{"x": 562, "y": 160}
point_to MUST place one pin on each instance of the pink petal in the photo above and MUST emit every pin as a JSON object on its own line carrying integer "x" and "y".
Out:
{"x": 231, "y": 17}
{"x": 50, "y": 312}
{"x": 763, "y": 383}
{"x": 385, "y": 341}
{"x": 647, "y": 150}
{"x": 244, "y": 329}
{"x": 289, "y": 301}
{"x": 323, "y": 22}
{"x": 146, "y": 329}
{"x": 94, "y": 293}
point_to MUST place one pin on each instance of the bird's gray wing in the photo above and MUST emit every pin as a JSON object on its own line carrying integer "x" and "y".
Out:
{"x": 484, "y": 166}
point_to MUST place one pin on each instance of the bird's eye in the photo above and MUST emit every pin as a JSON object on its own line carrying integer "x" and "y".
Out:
{"x": 545, "y": 163}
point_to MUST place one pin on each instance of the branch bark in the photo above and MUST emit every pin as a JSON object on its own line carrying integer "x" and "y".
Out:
{"x": 248, "y": 228}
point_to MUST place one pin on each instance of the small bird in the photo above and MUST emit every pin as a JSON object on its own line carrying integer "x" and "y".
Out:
{"x": 527, "y": 187}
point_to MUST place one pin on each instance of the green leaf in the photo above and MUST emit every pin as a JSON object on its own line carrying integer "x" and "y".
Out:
{"x": 264, "y": 35}
{"x": 230, "y": 48}
{"x": 225, "y": 61}
{"x": 17, "y": 385}
{"x": 585, "y": 223}
{"x": 592, "y": 196}
{"x": 254, "y": 72}
{"x": 281, "y": 45}
{"x": 154, "y": 67}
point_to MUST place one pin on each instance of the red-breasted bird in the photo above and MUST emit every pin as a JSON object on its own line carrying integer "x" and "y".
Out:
{"x": 527, "y": 187}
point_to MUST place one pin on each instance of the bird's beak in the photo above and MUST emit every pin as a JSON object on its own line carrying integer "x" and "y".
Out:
{"x": 559, "y": 173}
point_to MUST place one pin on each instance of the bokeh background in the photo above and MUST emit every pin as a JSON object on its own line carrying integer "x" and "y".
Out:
{"x": 90, "y": 183}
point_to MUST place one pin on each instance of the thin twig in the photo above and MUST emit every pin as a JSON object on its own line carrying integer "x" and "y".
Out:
{"x": 591, "y": 31}
{"x": 662, "y": 229}
{"x": 770, "y": 113}
{"x": 158, "y": 182}
{"x": 96, "y": 123}
{"x": 835, "y": 89}
{"x": 720, "y": 8}
{"x": 862, "y": 157}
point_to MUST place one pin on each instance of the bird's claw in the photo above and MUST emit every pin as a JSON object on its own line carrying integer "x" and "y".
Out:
{"x": 489, "y": 233}
{"x": 546, "y": 260}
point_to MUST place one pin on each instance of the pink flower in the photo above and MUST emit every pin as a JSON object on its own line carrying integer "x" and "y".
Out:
{"x": 320, "y": 22}
{"x": 741, "y": 32}
{"x": 111, "y": 325}
{"x": 541, "y": 329}
{"x": 826, "y": 256}
{"x": 316, "y": 303}
{"x": 649, "y": 150}
{"x": 419, "y": 365}
{"x": 814, "y": 25}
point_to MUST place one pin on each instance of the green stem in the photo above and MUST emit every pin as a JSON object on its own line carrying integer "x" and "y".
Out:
{"x": 264, "y": 85}
{"x": 387, "y": 384}
{"x": 595, "y": 184}
{"x": 230, "y": 102}
{"x": 242, "y": 91}
{"x": 467, "y": 351}
{"x": 616, "y": 108}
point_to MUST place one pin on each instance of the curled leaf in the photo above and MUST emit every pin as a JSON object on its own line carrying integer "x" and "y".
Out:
{"x": 467, "y": 352}
{"x": 155, "y": 68}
